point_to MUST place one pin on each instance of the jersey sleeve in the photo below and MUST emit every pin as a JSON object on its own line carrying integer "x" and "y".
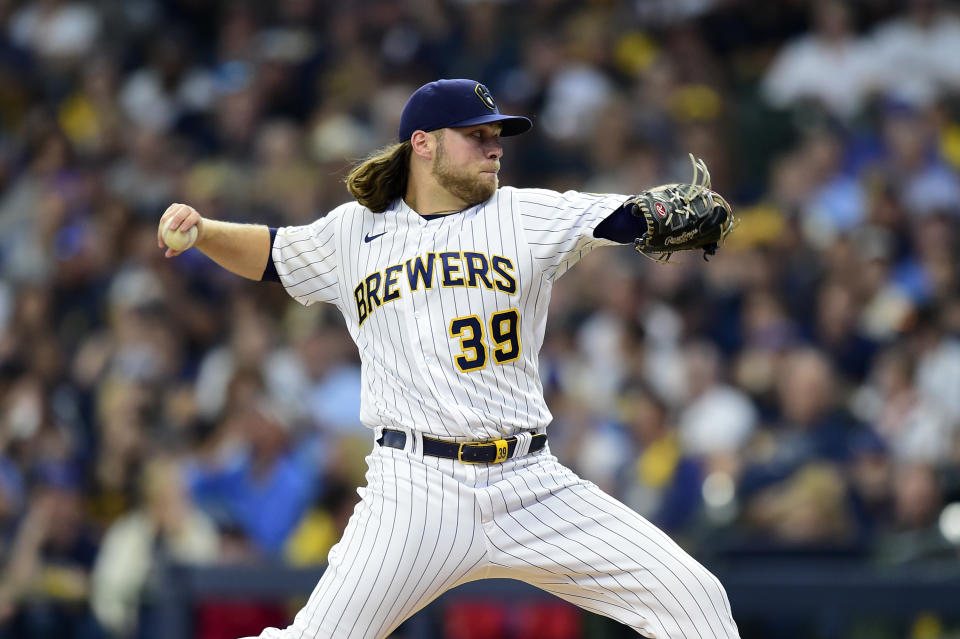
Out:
{"x": 559, "y": 227}
{"x": 306, "y": 261}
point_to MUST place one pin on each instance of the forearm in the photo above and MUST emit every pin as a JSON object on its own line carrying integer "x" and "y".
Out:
{"x": 243, "y": 249}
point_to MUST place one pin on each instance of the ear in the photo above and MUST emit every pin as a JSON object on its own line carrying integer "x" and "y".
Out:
{"x": 424, "y": 144}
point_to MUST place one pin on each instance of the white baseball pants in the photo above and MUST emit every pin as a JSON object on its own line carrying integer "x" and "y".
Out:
{"x": 425, "y": 525}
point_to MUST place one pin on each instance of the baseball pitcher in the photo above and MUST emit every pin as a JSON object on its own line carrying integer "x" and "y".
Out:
{"x": 444, "y": 279}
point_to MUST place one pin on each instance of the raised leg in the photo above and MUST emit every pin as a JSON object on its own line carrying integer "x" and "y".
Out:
{"x": 563, "y": 534}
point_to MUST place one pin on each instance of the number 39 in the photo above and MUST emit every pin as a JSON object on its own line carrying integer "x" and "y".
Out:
{"x": 504, "y": 331}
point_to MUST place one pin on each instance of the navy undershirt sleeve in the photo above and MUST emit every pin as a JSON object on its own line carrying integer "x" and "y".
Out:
{"x": 621, "y": 226}
{"x": 270, "y": 273}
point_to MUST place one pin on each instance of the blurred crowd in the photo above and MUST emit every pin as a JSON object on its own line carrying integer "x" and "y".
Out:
{"x": 800, "y": 393}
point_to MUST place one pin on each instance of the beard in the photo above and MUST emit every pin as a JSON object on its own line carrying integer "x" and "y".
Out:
{"x": 460, "y": 182}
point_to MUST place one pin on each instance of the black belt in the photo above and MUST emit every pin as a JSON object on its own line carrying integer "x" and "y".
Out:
{"x": 491, "y": 452}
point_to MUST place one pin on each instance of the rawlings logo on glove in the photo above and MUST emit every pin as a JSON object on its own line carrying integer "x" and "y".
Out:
{"x": 682, "y": 238}
{"x": 682, "y": 217}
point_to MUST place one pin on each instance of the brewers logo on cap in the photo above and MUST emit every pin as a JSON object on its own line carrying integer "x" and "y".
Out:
{"x": 485, "y": 96}
{"x": 450, "y": 103}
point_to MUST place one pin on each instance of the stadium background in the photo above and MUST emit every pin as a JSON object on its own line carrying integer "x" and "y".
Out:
{"x": 789, "y": 409}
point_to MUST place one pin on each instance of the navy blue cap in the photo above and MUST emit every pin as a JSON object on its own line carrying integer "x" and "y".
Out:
{"x": 450, "y": 103}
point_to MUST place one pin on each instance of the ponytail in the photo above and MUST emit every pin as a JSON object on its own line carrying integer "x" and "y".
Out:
{"x": 382, "y": 177}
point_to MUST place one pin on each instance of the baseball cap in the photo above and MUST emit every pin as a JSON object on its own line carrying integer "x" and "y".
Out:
{"x": 451, "y": 103}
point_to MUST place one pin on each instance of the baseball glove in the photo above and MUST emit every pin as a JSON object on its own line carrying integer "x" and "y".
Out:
{"x": 682, "y": 217}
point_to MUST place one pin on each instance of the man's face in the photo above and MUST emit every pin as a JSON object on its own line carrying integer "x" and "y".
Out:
{"x": 467, "y": 161}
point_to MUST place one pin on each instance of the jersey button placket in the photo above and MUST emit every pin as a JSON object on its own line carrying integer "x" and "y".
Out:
{"x": 418, "y": 324}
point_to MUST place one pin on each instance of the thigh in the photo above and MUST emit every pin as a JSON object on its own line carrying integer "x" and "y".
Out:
{"x": 565, "y": 535}
{"x": 414, "y": 534}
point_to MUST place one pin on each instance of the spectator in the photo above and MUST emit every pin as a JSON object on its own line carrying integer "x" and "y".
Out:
{"x": 836, "y": 203}
{"x": 322, "y": 525}
{"x": 811, "y": 421}
{"x": 809, "y": 431}
{"x": 938, "y": 364}
{"x": 809, "y": 509}
{"x": 914, "y": 428}
{"x": 250, "y": 348}
{"x": 717, "y": 420}
{"x": 836, "y": 331}
{"x": 911, "y": 162}
{"x": 332, "y": 394}
{"x": 47, "y": 578}
{"x": 57, "y": 31}
{"x": 158, "y": 96}
{"x": 914, "y": 50}
{"x": 831, "y": 66}
{"x": 142, "y": 177}
{"x": 166, "y": 526}
{"x": 259, "y": 485}
{"x": 659, "y": 479}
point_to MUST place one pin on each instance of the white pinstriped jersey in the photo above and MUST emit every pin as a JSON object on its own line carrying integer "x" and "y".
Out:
{"x": 448, "y": 313}
{"x": 449, "y": 316}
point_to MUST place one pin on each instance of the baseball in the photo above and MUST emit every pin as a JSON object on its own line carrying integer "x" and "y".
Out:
{"x": 179, "y": 240}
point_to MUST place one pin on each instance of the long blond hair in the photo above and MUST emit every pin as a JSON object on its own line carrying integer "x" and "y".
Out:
{"x": 382, "y": 177}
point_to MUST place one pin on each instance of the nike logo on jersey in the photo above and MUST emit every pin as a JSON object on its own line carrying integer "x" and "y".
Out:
{"x": 370, "y": 238}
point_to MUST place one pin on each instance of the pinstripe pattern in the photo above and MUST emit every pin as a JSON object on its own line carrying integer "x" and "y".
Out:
{"x": 425, "y": 524}
{"x": 406, "y": 351}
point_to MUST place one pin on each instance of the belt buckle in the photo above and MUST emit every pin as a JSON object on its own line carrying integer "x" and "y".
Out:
{"x": 501, "y": 456}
